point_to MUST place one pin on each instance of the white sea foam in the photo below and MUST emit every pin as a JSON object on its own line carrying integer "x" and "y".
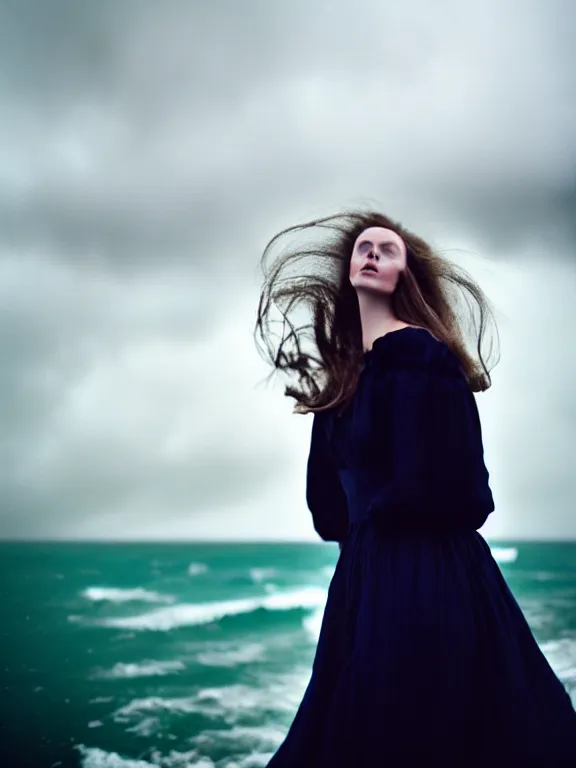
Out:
{"x": 195, "y": 614}
{"x": 232, "y": 656}
{"x": 313, "y": 624}
{"x": 505, "y": 554}
{"x": 118, "y": 595}
{"x": 538, "y": 613}
{"x": 232, "y": 703}
{"x": 562, "y": 657}
{"x": 148, "y": 668}
{"x": 234, "y": 710}
{"x": 255, "y": 760}
{"x": 243, "y": 738}
{"x": 93, "y": 757}
{"x": 561, "y": 654}
{"x": 146, "y": 727}
{"x": 196, "y": 569}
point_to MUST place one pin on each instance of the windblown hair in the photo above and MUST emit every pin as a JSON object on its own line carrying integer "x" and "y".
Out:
{"x": 432, "y": 293}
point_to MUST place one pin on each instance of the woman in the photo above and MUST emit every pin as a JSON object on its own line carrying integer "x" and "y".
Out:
{"x": 424, "y": 656}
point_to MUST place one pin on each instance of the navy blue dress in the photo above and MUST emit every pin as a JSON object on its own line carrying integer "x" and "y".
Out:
{"x": 424, "y": 653}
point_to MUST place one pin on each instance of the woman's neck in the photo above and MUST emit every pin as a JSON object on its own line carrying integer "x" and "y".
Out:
{"x": 376, "y": 317}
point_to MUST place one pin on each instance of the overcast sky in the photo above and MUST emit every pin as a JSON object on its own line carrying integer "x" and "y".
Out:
{"x": 148, "y": 151}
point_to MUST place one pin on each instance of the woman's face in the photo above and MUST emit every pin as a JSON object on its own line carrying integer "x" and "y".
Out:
{"x": 378, "y": 257}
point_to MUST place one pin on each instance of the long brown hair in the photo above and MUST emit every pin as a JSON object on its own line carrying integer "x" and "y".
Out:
{"x": 432, "y": 293}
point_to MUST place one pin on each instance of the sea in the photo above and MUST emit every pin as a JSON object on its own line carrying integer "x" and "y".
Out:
{"x": 134, "y": 655}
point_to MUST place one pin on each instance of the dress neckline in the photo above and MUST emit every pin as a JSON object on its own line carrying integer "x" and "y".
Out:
{"x": 380, "y": 339}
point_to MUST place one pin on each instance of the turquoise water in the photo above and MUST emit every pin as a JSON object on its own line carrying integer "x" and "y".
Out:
{"x": 173, "y": 655}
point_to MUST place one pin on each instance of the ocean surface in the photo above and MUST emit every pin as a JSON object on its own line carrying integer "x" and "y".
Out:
{"x": 173, "y": 655}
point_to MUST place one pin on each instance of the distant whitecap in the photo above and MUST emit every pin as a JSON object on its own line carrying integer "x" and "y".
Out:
{"x": 196, "y": 569}
{"x": 118, "y": 595}
{"x": 148, "y": 668}
{"x": 505, "y": 554}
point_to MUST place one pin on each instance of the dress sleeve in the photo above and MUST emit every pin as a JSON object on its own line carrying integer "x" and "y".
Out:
{"x": 434, "y": 473}
{"x": 324, "y": 493}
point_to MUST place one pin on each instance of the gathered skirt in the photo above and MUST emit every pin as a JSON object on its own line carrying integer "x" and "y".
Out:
{"x": 425, "y": 655}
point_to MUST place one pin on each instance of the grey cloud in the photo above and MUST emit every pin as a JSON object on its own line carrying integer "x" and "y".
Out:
{"x": 170, "y": 122}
